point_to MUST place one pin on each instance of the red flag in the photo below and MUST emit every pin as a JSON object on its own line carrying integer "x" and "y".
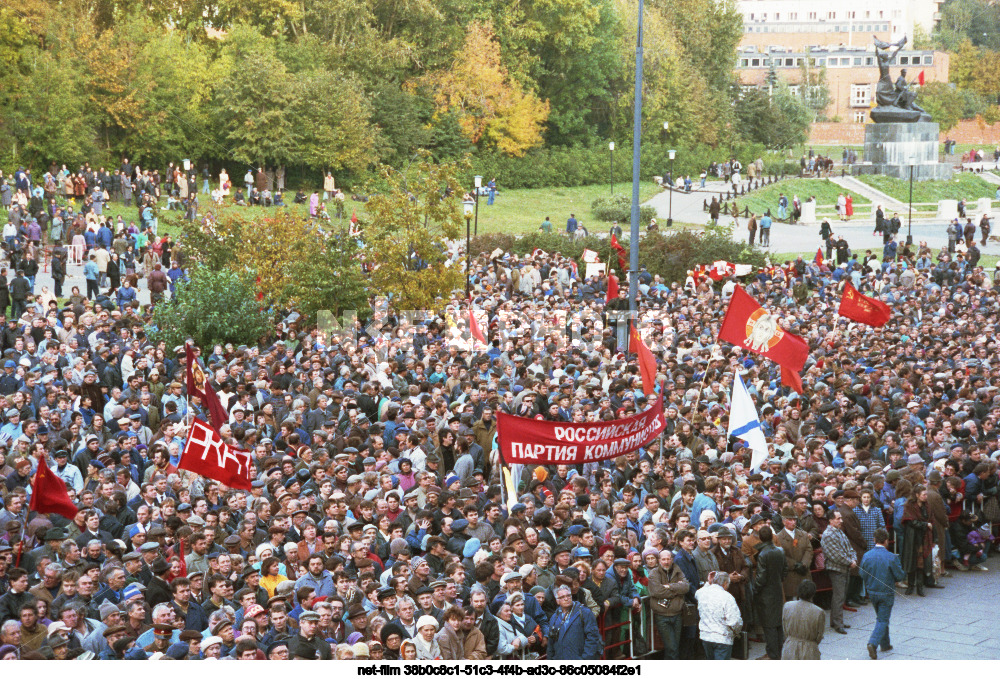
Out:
{"x": 620, "y": 249}
{"x": 612, "y": 288}
{"x": 698, "y": 273}
{"x": 792, "y": 379}
{"x": 197, "y": 385}
{"x": 819, "y": 256}
{"x": 920, "y": 78}
{"x": 477, "y": 332}
{"x": 863, "y": 309}
{"x": 48, "y": 493}
{"x": 207, "y": 454}
{"x": 751, "y": 326}
{"x": 180, "y": 553}
{"x": 647, "y": 362}
{"x": 354, "y": 216}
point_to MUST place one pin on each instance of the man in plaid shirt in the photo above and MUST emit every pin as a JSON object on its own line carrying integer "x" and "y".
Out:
{"x": 840, "y": 560}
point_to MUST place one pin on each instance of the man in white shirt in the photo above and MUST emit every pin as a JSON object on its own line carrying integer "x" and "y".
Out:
{"x": 719, "y": 617}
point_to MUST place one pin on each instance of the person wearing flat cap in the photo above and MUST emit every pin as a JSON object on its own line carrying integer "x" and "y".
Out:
{"x": 307, "y": 644}
{"x": 798, "y": 549}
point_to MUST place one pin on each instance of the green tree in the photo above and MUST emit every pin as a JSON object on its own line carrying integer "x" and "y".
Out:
{"x": 51, "y": 118}
{"x": 413, "y": 213}
{"x": 943, "y": 102}
{"x": 293, "y": 264}
{"x": 777, "y": 121}
{"x": 334, "y": 122}
{"x": 977, "y": 21}
{"x": 213, "y": 307}
{"x": 567, "y": 51}
{"x": 254, "y": 104}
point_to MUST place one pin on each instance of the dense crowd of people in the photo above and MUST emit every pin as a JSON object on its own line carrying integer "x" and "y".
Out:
{"x": 376, "y": 526}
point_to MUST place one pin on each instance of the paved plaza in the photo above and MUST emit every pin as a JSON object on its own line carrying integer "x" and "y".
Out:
{"x": 957, "y": 622}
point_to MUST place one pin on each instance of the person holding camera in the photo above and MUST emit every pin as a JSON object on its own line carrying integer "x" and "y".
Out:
{"x": 573, "y": 630}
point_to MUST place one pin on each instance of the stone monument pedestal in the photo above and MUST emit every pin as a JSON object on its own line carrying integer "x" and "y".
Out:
{"x": 891, "y": 149}
{"x": 808, "y": 212}
{"x": 947, "y": 209}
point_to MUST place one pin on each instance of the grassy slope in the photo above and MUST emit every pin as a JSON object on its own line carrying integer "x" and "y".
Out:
{"x": 522, "y": 210}
{"x": 965, "y": 185}
{"x": 767, "y": 198}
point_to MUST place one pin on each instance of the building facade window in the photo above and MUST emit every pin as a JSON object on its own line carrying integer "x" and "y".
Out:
{"x": 861, "y": 95}
{"x": 860, "y": 116}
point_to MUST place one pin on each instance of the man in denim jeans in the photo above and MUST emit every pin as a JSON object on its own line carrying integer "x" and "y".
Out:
{"x": 881, "y": 570}
{"x": 667, "y": 587}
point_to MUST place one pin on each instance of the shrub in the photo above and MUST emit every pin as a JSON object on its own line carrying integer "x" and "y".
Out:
{"x": 581, "y": 166}
{"x": 618, "y": 208}
{"x": 213, "y": 307}
{"x": 669, "y": 254}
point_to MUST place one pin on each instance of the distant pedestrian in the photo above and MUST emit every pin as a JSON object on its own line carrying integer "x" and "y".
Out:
{"x": 765, "y": 230}
{"x": 881, "y": 570}
{"x": 804, "y": 623}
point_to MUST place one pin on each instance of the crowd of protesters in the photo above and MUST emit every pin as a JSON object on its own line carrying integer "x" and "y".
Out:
{"x": 376, "y": 526}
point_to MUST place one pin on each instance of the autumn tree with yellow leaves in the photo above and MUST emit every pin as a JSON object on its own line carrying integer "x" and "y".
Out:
{"x": 493, "y": 110}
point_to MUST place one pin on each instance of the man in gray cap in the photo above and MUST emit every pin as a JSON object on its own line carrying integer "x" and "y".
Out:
{"x": 306, "y": 644}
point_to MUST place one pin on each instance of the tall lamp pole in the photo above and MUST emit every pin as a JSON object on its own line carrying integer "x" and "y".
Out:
{"x": 611, "y": 148}
{"x": 468, "y": 208}
{"x": 909, "y": 220}
{"x": 672, "y": 153}
{"x": 478, "y": 184}
{"x": 633, "y": 283}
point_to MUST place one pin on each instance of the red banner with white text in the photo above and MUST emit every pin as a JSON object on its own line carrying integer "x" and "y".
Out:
{"x": 207, "y": 454}
{"x": 526, "y": 441}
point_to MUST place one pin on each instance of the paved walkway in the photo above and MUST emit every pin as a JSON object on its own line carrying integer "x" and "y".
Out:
{"x": 956, "y": 622}
{"x": 876, "y": 197}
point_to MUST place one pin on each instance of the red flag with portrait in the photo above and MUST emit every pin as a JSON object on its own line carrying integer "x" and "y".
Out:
{"x": 197, "y": 385}
{"x": 750, "y": 326}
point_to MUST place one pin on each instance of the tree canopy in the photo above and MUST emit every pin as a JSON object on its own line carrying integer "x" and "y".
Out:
{"x": 350, "y": 85}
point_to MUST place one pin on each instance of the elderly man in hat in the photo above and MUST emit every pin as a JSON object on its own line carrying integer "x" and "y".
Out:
{"x": 306, "y": 644}
{"x": 798, "y": 550}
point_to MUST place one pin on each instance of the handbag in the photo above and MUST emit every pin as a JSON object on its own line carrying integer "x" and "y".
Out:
{"x": 991, "y": 510}
{"x": 819, "y": 561}
{"x": 689, "y": 615}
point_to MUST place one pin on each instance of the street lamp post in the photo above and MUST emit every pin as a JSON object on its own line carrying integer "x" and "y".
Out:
{"x": 468, "y": 256}
{"x": 672, "y": 153}
{"x": 611, "y": 148}
{"x": 909, "y": 220}
{"x": 468, "y": 208}
{"x": 633, "y": 287}
{"x": 478, "y": 184}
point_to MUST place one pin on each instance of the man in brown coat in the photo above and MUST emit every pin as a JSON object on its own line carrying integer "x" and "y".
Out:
{"x": 939, "y": 517}
{"x": 798, "y": 550}
{"x": 158, "y": 283}
{"x": 474, "y": 642}
{"x": 667, "y": 587}
{"x": 846, "y": 503}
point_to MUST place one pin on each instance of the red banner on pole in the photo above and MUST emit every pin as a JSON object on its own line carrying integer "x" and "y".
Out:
{"x": 863, "y": 309}
{"x": 207, "y": 454}
{"x": 526, "y": 441}
{"x": 197, "y": 385}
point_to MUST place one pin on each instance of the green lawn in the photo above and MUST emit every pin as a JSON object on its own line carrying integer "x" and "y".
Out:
{"x": 826, "y": 193}
{"x": 522, "y": 210}
{"x": 964, "y": 185}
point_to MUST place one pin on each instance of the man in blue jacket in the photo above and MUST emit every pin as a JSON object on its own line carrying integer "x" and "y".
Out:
{"x": 881, "y": 570}
{"x": 573, "y": 631}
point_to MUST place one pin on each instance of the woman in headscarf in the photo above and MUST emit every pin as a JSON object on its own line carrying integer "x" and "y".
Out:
{"x": 427, "y": 645}
{"x": 511, "y": 643}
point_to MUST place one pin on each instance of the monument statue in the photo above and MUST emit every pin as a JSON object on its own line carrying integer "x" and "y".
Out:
{"x": 895, "y": 101}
